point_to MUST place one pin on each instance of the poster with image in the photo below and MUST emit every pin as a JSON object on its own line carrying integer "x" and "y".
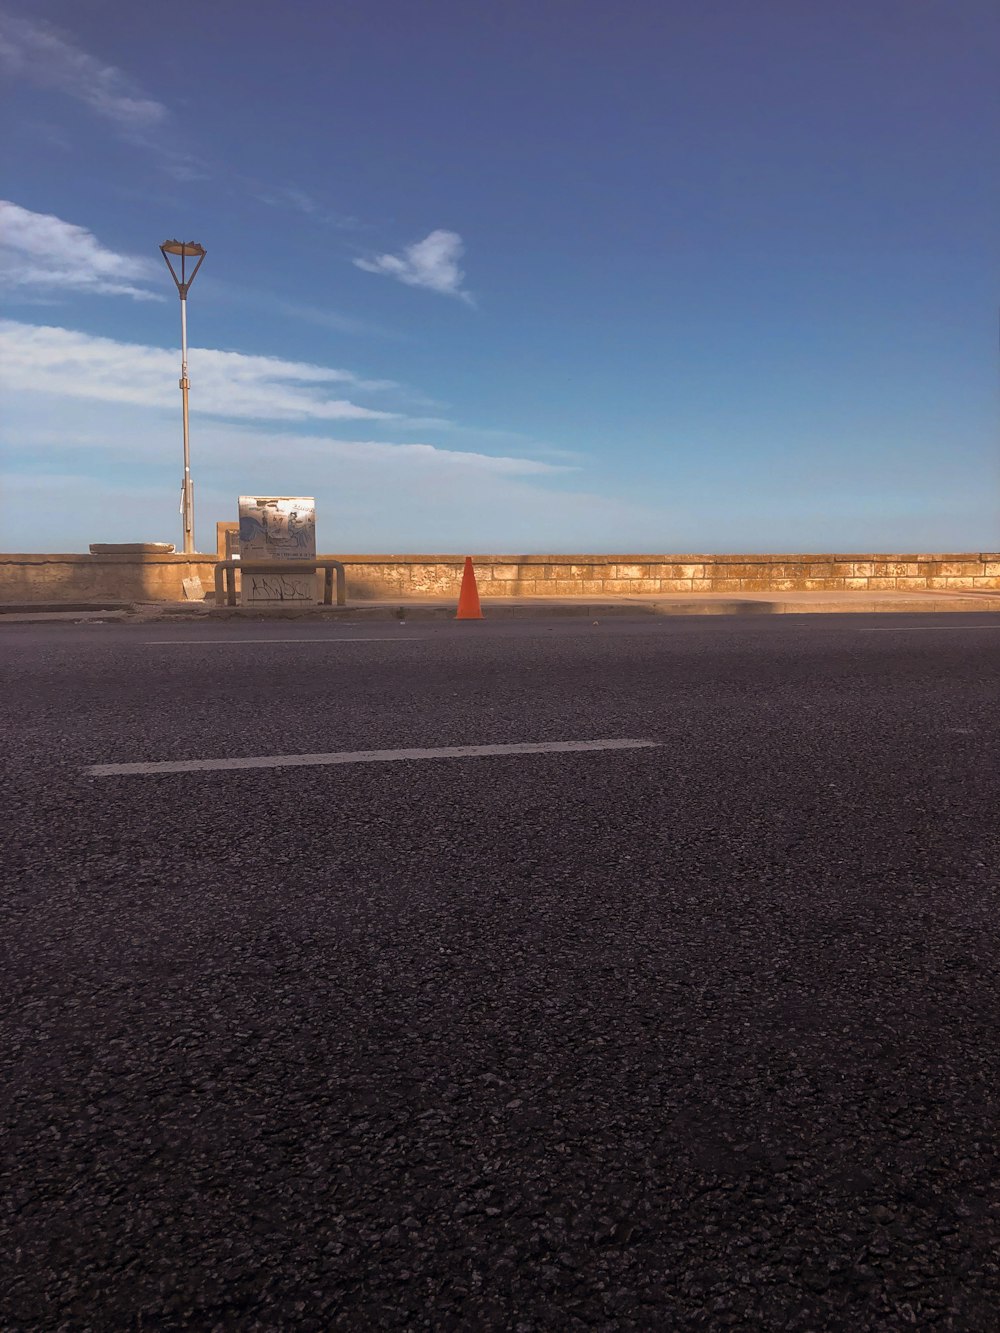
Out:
{"x": 277, "y": 528}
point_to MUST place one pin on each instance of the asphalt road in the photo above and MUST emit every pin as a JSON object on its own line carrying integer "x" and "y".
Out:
{"x": 694, "y": 1036}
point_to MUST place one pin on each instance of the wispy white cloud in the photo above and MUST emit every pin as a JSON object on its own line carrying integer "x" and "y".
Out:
{"x": 40, "y": 54}
{"x": 41, "y": 252}
{"x": 47, "y": 135}
{"x": 432, "y": 263}
{"x": 295, "y": 199}
{"x": 111, "y": 431}
{"x": 182, "y": 167}
{"x": 37, "y": 53}
{"x": 69, "y": 363}
{"x": 365, "y": 501}
{"x": 301, "y": 201}
{"x": 65, "y": 458}
{"x": 322, "y": 316}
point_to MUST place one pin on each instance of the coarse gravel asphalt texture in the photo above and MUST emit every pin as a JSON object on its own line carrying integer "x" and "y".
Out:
{"x": 700, "y": 1036}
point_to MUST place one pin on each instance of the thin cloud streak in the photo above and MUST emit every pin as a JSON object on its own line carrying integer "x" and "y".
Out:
{"x": 293, "y": 198}
{"x": 301, "y": 201}
{"x": 224, "y": 444}
{"x": 326, "y": 319}
{"x": 108, "y": 434}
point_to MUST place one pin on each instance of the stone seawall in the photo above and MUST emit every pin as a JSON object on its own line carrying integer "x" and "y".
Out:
{"x": 87, "y": 578}
{"x": 639, "y": 575}
{"x": 159, "y": 577}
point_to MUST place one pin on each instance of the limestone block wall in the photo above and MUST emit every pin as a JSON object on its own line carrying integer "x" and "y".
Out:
{"x": 158, "y": 577}
{"x": 382, "y": 576}
{"x": 84, "y": 578}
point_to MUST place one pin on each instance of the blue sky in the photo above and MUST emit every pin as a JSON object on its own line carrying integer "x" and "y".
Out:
{"x": 547, "y": 276}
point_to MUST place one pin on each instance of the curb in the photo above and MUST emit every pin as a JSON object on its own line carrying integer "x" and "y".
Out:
{"x": 689, "y": 606}
{"x": 518, "y": 611}
{"x": 144, "y": 613}
{"x": 62, "y": 608}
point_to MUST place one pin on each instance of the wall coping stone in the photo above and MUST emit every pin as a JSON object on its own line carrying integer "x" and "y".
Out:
{"x": 601, "y": 558}
{"x": 132, "y": 548}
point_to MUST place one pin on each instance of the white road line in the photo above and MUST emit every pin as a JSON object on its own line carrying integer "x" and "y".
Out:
{"x": 362, "y": 757}
{"x": 922, "y": 629}
{"x": 388, "y": 638}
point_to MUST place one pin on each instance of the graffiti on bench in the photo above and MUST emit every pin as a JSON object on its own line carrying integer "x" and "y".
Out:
{"x": 279, "y": 588}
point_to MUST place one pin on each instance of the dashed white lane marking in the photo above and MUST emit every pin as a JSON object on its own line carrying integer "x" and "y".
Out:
{"x": 363, "y": 757}
{"x": 238, "y": 643}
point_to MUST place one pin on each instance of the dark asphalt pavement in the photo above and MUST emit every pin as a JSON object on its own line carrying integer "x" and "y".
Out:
{"x": 692, "y": 1037}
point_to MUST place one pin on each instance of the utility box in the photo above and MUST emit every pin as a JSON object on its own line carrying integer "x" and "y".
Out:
{"x": 277, "y": 528}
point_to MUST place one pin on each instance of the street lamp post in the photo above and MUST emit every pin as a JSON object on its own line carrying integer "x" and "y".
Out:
{"x": 185, "y": 250}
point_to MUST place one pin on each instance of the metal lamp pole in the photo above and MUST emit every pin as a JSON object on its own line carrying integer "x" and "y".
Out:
{"x": 185, "y": 250}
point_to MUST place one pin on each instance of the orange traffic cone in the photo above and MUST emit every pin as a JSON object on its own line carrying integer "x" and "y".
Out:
{"x": 468, "y": 598}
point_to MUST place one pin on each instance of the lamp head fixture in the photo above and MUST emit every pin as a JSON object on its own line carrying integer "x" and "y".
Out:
{"x": 184, "y": 251}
